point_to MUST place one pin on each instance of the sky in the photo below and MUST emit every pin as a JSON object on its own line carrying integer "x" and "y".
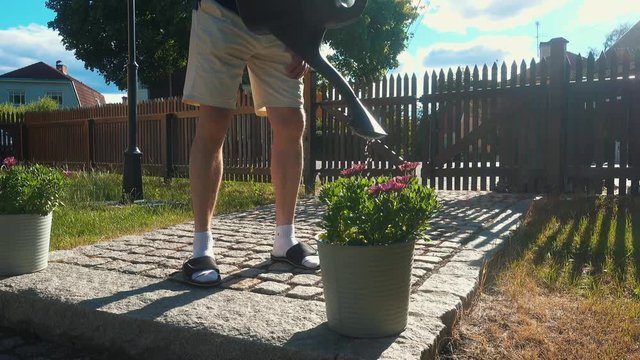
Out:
{"x": 448, "y": 33}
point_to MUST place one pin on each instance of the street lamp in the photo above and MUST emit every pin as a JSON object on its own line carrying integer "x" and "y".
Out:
{"x": 132, "y": 172}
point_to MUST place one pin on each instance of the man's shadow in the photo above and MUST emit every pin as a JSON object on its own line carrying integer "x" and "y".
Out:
{"x": 156, "y": 306}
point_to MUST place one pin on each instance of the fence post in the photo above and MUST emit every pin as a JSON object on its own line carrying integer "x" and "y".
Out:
{"x": 556, "y": 121}
{"x": 310, "y": 107}
{"x": 24, "y": 140}
{"x": 166, "y": 141}
{"x": 91, "y": 124}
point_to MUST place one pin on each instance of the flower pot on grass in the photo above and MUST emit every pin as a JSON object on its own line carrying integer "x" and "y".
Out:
{"x": 366, "y": 249}
{"x": 28, "y": 196}
{"x": 24, "y": 243}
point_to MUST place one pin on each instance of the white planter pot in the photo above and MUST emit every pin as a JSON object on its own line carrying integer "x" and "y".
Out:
{"x": 366, "y": 288}
{"x": 24, "y": 243}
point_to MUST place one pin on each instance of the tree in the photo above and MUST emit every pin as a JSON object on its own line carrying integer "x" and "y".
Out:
{"x": 611, "y": 38}
{"x": 370, "y": 46}
{"x": 96, "y": 30}
{"x": 615, "y": 34}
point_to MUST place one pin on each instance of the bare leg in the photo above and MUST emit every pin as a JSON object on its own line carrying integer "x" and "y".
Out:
{"x": 286, "y": 160}
{"x": 286, "y": 173}
{"x": 205, "y": 163}
{"x": 205, "y": 174}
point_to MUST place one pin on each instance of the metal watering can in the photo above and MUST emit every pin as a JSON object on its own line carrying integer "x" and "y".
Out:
{"x": 301, "y": 25}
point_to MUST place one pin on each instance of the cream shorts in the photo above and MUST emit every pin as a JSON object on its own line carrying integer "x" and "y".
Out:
{"x": 220, "y": 47}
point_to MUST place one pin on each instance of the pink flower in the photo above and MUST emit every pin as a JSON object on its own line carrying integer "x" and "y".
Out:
{"x": 391, "y": 185}
{"x": 67, "y": 173}
{"x": 10, "y": 161}
{"x": 408, "y": 165}
{"x": 402, "y": 179}
{"x": 353, "y": 170}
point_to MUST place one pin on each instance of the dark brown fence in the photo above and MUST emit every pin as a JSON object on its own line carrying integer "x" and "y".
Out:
{"x": 11, "y": 135}
{"x": 96, "y": 138}
{"x": 556, "y": 125}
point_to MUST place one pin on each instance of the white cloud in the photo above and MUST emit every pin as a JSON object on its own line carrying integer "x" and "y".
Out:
{"x": 593, "y": 12}
{"x": 24, "y": 45}
{"x": 485, "y": 15}
{"x": 479, "y": 51}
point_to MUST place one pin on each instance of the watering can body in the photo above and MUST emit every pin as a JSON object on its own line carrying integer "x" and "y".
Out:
{"x": 301, "y": 25}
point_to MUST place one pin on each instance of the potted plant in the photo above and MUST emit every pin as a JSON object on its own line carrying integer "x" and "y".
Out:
{"x": 366, "y": 249}
{"x": 28, "y": 196}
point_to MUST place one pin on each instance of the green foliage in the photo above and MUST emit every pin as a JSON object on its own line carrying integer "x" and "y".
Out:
{"x": 44, "y": 104}
{"x": 30, "y": 189}
{"x": 615, "y": 34}
{"x": 97, "y": 32}
{"x": 370, "y": 46}
{"x": 359, "y": 215}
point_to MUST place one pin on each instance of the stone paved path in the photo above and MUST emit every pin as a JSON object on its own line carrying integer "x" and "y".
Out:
{"x": 243, "y": 243}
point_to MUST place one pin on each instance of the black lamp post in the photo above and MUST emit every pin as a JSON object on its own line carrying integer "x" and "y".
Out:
{"x": 132, "y": 172}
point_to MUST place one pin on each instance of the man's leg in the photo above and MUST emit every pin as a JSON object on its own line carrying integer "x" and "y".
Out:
{"x": 205, "y": 175}
{"x": 286, "y": 172}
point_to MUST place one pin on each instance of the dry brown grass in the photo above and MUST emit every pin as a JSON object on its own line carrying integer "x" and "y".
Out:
{"x": 537, "y": 306}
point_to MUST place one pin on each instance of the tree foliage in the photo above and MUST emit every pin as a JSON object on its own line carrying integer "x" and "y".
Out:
{"x": 615, "y": 34}
{"x": 611, "y": 38}
{"x": 44, "y": 104}
{"x": 96, "y": 30}
{"x": 370, "y": 46}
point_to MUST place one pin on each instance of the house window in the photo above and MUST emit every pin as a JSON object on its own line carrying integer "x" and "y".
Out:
{"x": 16, "y": 97}
{"x": 56, "y": 96}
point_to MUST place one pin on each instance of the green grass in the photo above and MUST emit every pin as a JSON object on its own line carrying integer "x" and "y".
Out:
{"x": 588, "y": 245}
{"x": 566, "y": 287}
{"x": 92, "y": 211}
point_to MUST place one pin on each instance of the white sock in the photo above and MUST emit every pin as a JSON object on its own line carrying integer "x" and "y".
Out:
{"x": 285, "y": 238}
{"x": 203, "y": 246}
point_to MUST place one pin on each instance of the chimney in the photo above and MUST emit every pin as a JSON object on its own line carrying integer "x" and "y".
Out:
{"x": 62, "y": 67}
{"x": 545, "y": 50}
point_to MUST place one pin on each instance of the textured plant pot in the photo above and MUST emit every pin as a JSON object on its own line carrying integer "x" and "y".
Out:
{"x": 366, "y": 288}
{"x": 24, "y": 243}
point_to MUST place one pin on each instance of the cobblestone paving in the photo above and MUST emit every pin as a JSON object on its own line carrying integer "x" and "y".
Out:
{"x": 243, "y": 245}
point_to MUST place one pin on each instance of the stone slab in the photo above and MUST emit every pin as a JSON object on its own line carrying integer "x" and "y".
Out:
{"x": 160, "y": 319}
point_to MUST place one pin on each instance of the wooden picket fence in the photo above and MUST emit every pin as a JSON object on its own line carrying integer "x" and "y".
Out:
{"x": 548, "y": 126}
{"x": 95, "y": 138}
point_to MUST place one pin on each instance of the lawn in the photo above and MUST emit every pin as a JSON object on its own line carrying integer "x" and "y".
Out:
{"x": 567, "y": 287}
{"x": 92, "y": 211}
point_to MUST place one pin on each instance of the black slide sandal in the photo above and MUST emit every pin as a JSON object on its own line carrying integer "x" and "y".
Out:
{"x": 295, "y": 255}
{"x": 194, "y": 265}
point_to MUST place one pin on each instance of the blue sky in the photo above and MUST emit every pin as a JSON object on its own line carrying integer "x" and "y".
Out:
{"x": 448, "y": 33}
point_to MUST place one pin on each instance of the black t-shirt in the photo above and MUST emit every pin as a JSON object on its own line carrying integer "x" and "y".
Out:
{"x": 229, "y": 4}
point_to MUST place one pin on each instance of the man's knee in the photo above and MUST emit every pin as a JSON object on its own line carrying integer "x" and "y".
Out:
{"x": 213, "y": 124}
{"x": 287, "y": 122}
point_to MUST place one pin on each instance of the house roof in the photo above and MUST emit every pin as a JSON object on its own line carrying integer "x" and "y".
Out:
{"x": 628, "y": 41}
{"x": 41, "y": 71}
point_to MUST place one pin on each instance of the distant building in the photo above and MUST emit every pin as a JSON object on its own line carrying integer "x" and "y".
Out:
{"x": 33, "y": 82}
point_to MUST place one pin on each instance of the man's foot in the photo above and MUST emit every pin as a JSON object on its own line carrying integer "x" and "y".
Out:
{"x": 202, "y": 271}
{"x": 205, "y": 273}
{"x": 301, "y": 256}
{"x": 286, "y": 248}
